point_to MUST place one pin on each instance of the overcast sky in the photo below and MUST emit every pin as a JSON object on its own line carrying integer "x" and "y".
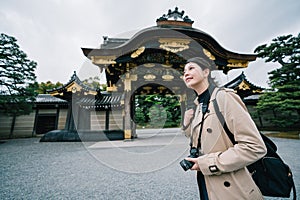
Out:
{"x": 52, "y": 32}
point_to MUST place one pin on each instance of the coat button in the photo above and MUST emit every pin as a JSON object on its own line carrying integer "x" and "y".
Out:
{"x": 209, "y": 130}
{"x": 226, "y": 184}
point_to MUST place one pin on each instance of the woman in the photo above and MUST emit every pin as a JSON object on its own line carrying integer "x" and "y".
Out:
{"x": 221, "y": 166}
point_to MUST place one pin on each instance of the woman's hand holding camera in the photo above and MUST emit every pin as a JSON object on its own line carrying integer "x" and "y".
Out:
{"x": 194, "y": 160}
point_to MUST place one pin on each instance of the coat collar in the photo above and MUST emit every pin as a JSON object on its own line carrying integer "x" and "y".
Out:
{"x": 212, "y": 96}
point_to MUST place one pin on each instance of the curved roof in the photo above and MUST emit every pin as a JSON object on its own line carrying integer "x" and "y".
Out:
{"x": 153, "y": 34}
{"x": 47, "y": 98}
{"x": 154, "y": 38}
{"x": 170, "y": 36}
{"x": 74, "y": 85}
{"x": 105, "y": 101}
{"x": 243, "y": 87}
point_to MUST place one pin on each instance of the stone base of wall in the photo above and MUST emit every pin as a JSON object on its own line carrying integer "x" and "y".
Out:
{"x": 82, "y": 136}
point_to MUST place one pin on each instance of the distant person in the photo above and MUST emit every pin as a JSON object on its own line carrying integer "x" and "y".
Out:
{"x": 220, "y": 165}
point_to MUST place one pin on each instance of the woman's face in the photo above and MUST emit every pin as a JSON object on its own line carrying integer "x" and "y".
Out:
{"x": 194, "y": 77}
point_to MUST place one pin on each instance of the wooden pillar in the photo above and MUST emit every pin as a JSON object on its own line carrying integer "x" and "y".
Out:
{"x": 35, "y": 121}
{"x": 127, "y": 98}
{"x": 182, "y": 100}
{"x": 57, "y": 115}
{"x": 133, "y": 124}
{"x": 106, "y": 119}
{"x": 70, "y": 124}
{"x": 127, "y": 119}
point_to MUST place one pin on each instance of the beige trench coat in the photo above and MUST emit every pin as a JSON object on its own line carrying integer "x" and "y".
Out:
{"x": 232, "y": 181}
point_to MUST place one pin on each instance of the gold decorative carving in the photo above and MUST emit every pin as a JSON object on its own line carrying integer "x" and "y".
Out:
{"x": 57, "y": 93}
{"x": 168, "y": 77}
{"x": 208, "y": 54}
{"x": 74, "y": 87}
{"x": 244, "y": 86}
{"x": 174, "y": 45}
{"x": 149, "y": 77}
{"x": 127, "y": 82}
{"x": 112, "y": 88}
{"x": 133, "y": 77}
{"x": 138, "y": 52}
{"x": 237, "y": 63}
{"x": 147, "y": 88}
{"x": 103, "y": 60}
{"x": 257, "y": 91}
{"x": 161, "y": 89}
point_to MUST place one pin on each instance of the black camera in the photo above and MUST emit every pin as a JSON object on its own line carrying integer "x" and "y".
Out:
{"x": 185, "y": 164}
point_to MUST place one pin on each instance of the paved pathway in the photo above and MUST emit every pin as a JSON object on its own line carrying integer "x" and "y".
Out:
{"x": 145, "y": 168}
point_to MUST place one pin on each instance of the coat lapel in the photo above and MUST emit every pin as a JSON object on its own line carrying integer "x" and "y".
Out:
{"x": 198, "y": 118}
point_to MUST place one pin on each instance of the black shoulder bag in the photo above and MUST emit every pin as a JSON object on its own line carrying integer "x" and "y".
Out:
{"x": 272, "y": 176}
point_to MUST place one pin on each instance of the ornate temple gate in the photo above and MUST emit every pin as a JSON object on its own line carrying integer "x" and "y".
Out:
{"x": 152, "y": 61}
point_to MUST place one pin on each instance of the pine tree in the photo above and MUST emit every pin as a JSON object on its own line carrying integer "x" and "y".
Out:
{"x": 17, "y": 78}
{"x": 284, "y": 95}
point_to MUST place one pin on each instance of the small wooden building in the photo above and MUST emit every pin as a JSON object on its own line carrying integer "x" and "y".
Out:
{"x": 49, "y": 113}
{"x": 90, "y": 111}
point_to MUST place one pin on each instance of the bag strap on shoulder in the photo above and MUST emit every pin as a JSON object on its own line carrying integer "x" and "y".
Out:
{"x": 222, "y": 119}
{"x": 231, "y": 136}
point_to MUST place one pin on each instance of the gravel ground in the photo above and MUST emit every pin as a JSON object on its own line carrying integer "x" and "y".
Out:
{"x": 146, "y": 168}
